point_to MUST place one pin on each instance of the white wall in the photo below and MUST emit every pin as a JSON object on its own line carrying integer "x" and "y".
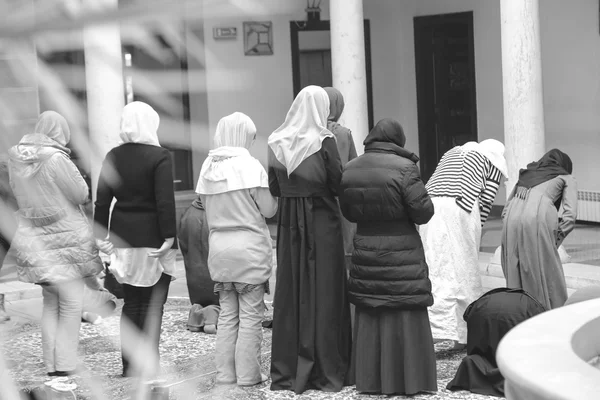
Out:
{"x": 260, "y": 86}
{"x": 570, "y": 35}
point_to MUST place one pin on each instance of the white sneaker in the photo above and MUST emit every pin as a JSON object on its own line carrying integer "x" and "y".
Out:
{"x": 92, "y": 318}
{"x": 210, "y": 329}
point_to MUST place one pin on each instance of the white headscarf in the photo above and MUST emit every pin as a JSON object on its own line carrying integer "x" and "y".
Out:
{"x": 139, "y": 123}
{"x": 54, "y": 126}
{"x": 235, "y": 130}
{"x": 494, "y": 151}
{"x": 491, "y": 149}
{"x": 304, "y": 128}
{"x": 230, "y": 166}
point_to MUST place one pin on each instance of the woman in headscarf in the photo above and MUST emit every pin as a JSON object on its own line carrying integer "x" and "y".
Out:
{"x": 54, "y": 244}
{"x": 138, "y": 176}
{"x": 234, "y": 187}
{"x": 489, "y": 319}
{"x": 311, "y": 320}
{"x": 533, "y": 230}
{"x": 383, "y": 193}
{"x": 463, "y": 188}
{"x": 347, "y": 150}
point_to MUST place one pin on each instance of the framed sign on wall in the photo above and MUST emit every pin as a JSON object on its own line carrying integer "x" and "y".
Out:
{"x": 258, "y": 38}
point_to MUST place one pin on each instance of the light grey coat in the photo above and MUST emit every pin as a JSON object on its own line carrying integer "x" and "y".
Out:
{"x": 531, "y": 236}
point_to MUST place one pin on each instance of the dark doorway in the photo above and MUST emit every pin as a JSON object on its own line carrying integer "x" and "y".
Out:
{"x": 446, "y": 96}
{"x": 311, "y": 57}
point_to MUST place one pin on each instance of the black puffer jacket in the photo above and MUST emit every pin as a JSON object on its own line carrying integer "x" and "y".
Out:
{"x": 383, "y": 193}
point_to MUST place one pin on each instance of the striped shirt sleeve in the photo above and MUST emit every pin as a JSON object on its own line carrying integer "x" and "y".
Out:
{"x": 472, "y": 180}
{"x": 486, "y": 199}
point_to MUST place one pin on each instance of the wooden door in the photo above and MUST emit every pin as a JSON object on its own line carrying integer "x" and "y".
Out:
{"x": 446, "y": 95}
{"x": 315, "y": 68}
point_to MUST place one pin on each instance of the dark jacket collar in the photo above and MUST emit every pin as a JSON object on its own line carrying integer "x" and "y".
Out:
{"x": 386, "y": 147}
{"x": 197, "y": 203}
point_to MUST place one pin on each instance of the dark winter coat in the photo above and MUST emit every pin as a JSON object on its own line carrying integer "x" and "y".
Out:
{"x": 193, "y": 242}
{"x": 383, "y": 193}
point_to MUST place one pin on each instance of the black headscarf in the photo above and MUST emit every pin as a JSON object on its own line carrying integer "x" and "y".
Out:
{"x": 551, "y": 165}
{"x": 387, "y": 131}
{"x": 388, "y": 136}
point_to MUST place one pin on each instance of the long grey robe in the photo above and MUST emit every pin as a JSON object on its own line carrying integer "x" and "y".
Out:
{"x": 531, "y": 236}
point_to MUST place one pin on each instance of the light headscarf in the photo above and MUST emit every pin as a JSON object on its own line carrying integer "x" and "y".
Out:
{"x": 494, "y": 151}
{"x": 304, "y": 128}
{"x": 230, "y": 166}
{"x": 139, "y": 124}
{"x": 491, "y": 149}
{"x": 235, "y": 130}
{"x": 54, "y": 126}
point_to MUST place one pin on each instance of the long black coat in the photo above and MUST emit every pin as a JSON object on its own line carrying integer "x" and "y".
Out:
{"x": 383, "y": 193}
{"x": 193, "y": 242}
{"x": 489, "y": 319}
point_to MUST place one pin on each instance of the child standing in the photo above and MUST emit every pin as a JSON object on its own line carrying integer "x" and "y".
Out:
{"x": 234, "y": 189}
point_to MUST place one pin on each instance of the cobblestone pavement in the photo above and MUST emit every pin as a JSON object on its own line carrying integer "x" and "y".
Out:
{"x": 186, "y": 357}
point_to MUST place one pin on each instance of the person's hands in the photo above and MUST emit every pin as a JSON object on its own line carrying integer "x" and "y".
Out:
{"x": 166, "y": 246}
{"x": 105, "y": 246}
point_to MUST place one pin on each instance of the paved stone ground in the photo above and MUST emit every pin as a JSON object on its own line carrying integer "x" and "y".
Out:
{"x": 185, "y": 355}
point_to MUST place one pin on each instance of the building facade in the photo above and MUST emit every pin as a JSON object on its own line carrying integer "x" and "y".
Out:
{"x": 524, "y": 72}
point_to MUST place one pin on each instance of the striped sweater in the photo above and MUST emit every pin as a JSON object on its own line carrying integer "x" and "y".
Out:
{"x": 467, "y": 176}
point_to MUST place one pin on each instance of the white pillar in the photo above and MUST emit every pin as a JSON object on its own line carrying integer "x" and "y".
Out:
{"x": 524, "y": 135}
{"x": 104, "y": 85}
{"x": 348, "y": 65}
{"x": 522, "y": 85}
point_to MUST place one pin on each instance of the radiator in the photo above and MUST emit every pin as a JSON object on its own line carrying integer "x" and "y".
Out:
{"x": 588, "y": 206}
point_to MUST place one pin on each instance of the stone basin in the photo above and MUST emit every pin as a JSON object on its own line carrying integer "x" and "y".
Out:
{"x": 553, "y": 356}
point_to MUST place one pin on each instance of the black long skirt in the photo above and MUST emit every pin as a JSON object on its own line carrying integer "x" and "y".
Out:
{"x": 393, "y": 352}
{"x": 311, "y": 320}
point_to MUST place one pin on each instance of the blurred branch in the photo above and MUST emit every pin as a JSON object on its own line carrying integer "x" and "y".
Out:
{"x": 68, "y": 15}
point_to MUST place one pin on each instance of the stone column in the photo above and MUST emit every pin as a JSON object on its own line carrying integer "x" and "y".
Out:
{"x": 522, "y": 85}
{"x": 104, "y": 84}
{"x": 348, "y": 65}
{"x": 524, "y": 135}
